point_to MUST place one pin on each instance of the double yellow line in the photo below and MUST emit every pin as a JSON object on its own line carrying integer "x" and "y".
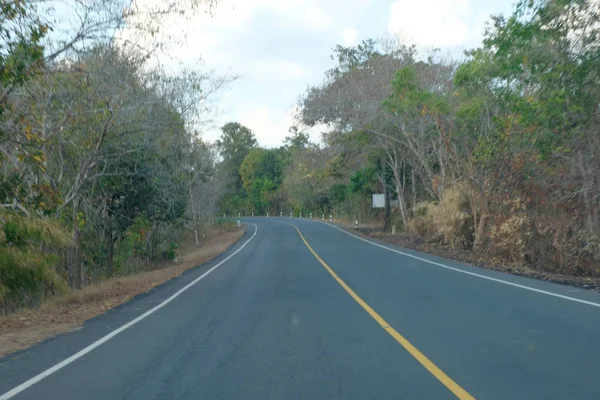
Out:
{"x": 420, "y": 357}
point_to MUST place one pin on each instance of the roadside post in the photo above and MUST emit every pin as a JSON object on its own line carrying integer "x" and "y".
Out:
{"x": 330, "y": 218}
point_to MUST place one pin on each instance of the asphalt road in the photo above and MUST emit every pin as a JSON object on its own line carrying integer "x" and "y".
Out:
{"x": 341, "y": 318}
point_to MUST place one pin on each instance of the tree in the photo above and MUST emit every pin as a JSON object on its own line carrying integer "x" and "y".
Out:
{"x": 298, "y": 140}
{"x": 235, "y": 143}
{"x": 261, "y": 173}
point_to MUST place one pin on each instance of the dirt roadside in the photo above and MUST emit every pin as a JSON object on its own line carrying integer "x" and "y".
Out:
{"x": 374, "y": 231}
{"x": 63, "y": 314}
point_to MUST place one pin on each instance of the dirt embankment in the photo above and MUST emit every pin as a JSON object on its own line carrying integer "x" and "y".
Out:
{"x": 65, "y": 313}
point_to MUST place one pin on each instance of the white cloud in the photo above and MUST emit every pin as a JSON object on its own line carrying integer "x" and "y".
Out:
{"x": 234, "y": 13}
{"x": 270, "y": 129}
{"x": 275, "y": 69}
{"x": 317, "y": 19}
{"x": 433, "y": 22}
{"x": 349, "y": 35}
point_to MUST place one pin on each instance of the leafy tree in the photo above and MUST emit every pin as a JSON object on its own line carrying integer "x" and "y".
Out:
{"x": 298, "y": 140}
{"x": 235, "y": 143}
{"x": 262, "y": 174}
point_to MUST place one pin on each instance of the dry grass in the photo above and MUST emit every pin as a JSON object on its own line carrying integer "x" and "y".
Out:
{"x": 65, "y": 313}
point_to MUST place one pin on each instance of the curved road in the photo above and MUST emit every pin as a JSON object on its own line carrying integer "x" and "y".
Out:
{"x": 315, "y": 313}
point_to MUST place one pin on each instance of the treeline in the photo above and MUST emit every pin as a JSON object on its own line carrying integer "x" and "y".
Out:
{"x": 102, "y": 167}
{"x": 496, "y": 152}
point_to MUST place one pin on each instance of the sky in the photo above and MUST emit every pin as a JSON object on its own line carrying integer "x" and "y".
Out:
{"x": 278, "y": 48}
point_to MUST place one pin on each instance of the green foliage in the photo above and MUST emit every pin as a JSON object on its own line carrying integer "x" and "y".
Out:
{"x": 338, "y": 193}
{"x": 409, "y": 97}
{"x": 235, "y": 143}
{"x": 349, "y": 58}
{"x": 21, "y": 50}
{"x": 262, "y": 174}
{"x": 363, "y": 181}
{"x": 27, "y": 263}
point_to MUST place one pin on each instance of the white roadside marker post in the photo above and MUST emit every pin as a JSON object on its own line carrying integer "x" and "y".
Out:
{"x": 310, "y": 215}
{"x": 300, "y": 215}
{"x": 322, "y": 217}
{"x": 290, "y": 215}
{"x": 356, "y": 224}
{"x": 267, "y": 215}
{"x": 253, "y": 213}
{"x": 281, "y": 214}
{"x": 330, "y": 218}
{"x": 238, "y": 223}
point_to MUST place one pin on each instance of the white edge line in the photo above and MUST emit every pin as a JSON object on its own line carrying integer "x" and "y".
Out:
{"x": 13, "y": 392}
{"x": 589, "y": 303}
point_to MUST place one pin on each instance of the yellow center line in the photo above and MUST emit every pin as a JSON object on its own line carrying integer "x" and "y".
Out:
{"x": 420, "y": 357}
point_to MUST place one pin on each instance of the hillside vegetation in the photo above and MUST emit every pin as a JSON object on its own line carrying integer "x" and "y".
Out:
{"x": 495, "y": 152}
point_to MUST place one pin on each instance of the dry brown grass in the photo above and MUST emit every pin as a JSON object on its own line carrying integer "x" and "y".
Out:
{"x": 65, "y": 313}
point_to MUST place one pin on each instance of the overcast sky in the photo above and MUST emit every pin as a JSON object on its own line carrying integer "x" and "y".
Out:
{"x": 279, "y": 47}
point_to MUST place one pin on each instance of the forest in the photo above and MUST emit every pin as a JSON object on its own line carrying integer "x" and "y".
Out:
{"x": 104, "y": 169}
{"x": 103, "y": 166}
{"x": 494, "y": 153}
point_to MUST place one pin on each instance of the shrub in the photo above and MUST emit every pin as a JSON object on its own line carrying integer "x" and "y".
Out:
{"x": 422, "y": 224}
{"x": 510, "y": 238}
{"x": 27, "y": 263}
{"x": 453, "y": 217}
{"x": 450, "y": 220}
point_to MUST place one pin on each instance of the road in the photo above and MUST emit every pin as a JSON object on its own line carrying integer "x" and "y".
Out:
{"x": 299, "y": 309}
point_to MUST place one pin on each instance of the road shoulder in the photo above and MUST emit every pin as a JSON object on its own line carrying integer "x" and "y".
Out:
{"x": 25, "y": 328}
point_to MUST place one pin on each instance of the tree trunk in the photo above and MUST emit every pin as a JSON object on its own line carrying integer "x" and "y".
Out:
{"x": 387, "y": 214}
{"x": 413, "y": 184}
{"x": 480, "y": 233}
{"x": 587, "y": 196}
{"x": 401, "y": 202}
{"x": 111, "y": 254}
{"x": 194, "y": 214}
{"x": 72, "y": 258}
